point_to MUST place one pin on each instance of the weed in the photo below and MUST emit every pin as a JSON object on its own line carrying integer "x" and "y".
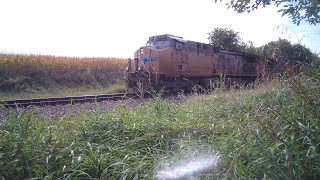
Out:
{"x": 270, "y": 132}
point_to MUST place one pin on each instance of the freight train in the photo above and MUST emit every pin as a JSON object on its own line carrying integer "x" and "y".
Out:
{"x": 171, "y": 63}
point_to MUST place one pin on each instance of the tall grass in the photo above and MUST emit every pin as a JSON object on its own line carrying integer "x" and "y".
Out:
{"x": 270, "y": 132}
{"x": 32, "y": 73}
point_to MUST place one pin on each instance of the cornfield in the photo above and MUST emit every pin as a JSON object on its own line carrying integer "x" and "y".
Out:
{"x": 19, "y": 72}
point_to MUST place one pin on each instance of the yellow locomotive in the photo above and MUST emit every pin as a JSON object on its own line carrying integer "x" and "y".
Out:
{"x": 175, "y": 64}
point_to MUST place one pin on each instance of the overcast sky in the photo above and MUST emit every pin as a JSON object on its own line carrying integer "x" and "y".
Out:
{"x": 116, "y": 28}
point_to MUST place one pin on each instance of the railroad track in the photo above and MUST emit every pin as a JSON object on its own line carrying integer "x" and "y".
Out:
{"x": 67, "y": 100}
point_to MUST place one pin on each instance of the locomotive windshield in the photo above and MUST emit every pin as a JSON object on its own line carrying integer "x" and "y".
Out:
{"x": 158, "y": 43}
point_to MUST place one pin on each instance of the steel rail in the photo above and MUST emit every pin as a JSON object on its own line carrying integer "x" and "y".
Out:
{"x": 54, "y": 101}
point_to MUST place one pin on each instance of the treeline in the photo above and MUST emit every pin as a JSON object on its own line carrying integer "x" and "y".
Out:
{"x": 280, "y": 50}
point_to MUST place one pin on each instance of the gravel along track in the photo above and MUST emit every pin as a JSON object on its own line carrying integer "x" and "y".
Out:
{"x": 61, "y": 111}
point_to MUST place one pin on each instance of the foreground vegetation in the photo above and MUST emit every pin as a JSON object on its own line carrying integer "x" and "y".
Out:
{"x": 270, "y": 132}
{"x": 40, "y": 76}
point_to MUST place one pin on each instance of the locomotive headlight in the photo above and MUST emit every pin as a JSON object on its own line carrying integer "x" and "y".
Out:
{"x": 141, "y": 51}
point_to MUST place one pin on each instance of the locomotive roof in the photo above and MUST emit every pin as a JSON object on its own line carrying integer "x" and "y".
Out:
{"x": 231, "y": 52}
{"x": 172, "y": 36}
{"x": 180, "y": 39}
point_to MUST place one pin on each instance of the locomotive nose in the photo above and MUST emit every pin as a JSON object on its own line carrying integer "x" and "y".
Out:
{"x": 144, "y": 56}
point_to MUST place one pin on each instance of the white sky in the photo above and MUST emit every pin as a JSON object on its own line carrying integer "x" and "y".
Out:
{"x": 116, "y": 28}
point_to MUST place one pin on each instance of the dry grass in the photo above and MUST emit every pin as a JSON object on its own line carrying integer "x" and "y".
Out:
{"x": 26, "y": 64}
{"x": 39, "y": 73}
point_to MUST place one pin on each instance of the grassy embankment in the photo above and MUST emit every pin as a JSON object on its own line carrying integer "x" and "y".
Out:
{"x": 36, "y": 76}
{"x": 270, "y": 132}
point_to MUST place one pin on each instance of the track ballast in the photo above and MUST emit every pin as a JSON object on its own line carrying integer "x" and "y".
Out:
{"x": 54, "y": 101}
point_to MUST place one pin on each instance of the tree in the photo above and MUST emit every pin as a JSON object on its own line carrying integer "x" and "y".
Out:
{"x": 231, "y": 41}
{"x": 297, "y": 10}
{"x": 280, "y": 50}
{"x": 228, "y": 39}
{"x": 283, "y": 50}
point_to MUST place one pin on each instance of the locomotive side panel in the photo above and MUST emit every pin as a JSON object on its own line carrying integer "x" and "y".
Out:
{"x": 201, "y": 64}
{"x": 184, "y": 63}
{"x": 166, "y": 67}
{"x": 236, "y": 64}
{"x": 229, "y": 64}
